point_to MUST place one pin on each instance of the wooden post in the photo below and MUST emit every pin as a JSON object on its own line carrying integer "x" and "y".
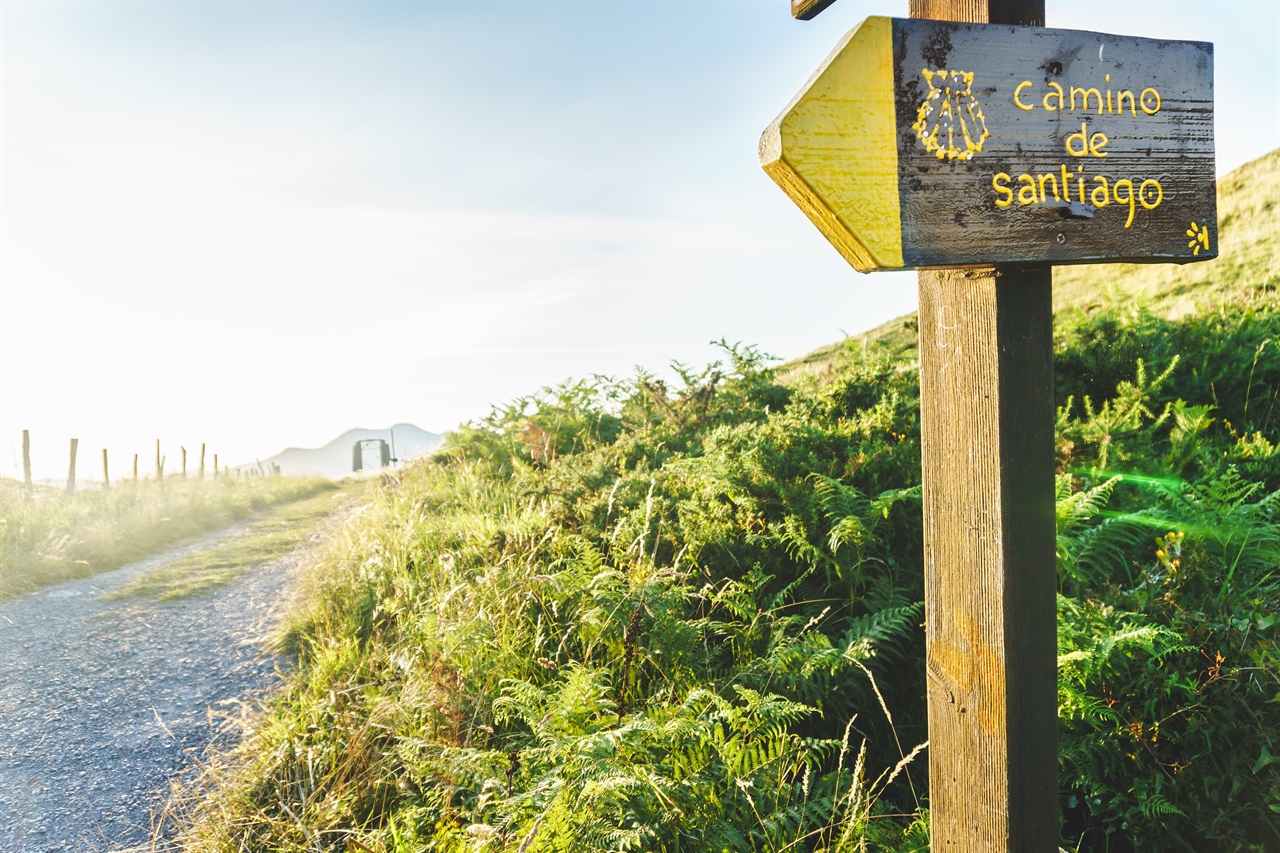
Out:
{"x": 135, "y": 467}
{"x": 986, "y": 390}
{"x": 71, "y": 470}
{"x": 215, "y": 466}
{"x": 202, "y": 460}
{"x": 159, "y": 464}
{"x": 26, "y": 461}
{"x": 878, "y": 150}
{"x": 184, "y": 462}
{"x": 106, "y": 474}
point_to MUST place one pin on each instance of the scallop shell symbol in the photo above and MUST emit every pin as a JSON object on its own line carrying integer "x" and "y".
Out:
{"x": 950, "y": 121}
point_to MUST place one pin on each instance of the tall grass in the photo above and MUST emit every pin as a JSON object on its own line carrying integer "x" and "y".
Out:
{"x": 630, "y": 616}
{"x": 47, "y": 537}
{"x": 542, "y": 640}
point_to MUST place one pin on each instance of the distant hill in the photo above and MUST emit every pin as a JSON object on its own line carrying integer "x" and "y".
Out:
{"x": 1248, "y": 261}
{"x": 334, "y": 459}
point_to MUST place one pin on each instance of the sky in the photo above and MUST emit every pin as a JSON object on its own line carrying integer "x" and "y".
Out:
{"x": 259, "y": 224}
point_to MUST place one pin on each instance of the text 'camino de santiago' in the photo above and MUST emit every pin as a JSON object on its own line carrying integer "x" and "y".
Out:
{"x": 1086, "y": 146}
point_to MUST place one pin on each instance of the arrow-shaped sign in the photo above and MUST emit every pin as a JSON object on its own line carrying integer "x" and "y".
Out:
{"x": 933, "y": 143}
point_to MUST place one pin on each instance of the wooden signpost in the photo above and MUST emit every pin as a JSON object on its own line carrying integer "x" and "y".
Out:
{"x": 976, "y": 145}
{"x": 924, "y": 144}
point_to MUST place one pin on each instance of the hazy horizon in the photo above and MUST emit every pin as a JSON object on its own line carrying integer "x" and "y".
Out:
{"x": 258, "y": 225}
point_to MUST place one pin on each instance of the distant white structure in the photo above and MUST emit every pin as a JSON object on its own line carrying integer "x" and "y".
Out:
{"x": 334, "y": 460}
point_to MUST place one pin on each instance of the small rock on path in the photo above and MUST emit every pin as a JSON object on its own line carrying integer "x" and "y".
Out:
{"x": 102, "y": 702}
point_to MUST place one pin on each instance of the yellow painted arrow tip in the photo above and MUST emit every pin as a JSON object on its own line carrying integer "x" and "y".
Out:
{"x": 833, "y": 150}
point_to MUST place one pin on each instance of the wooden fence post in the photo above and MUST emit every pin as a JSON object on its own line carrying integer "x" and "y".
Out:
{"x": 26, "y": 461}
{"x": 202, "y": 460}
{"x": 986, "y": 413}
{"x": 184, "y": 462}
{"x": 135, "y": 467}
{"x": 159, "y": 463}
{"x": 215, "y": 466}
{"x": 106, "y": 474}
{"x": 71, "y": 470}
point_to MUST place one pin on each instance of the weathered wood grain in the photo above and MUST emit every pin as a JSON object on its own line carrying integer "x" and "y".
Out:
{"x": 1018, "y": 12}
{"x": 986, "y": 388}
{"x": 949, "y": 207}
{"x": 1010, "y": 144}
{"x": 831, "y": 150}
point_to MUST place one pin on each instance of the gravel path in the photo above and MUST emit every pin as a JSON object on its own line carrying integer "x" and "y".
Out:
{"x": 102, "y": 702}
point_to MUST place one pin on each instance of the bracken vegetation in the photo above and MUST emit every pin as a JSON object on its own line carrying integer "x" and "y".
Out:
{"x": 47, "y": 537}
{"x": 631, "y": 616}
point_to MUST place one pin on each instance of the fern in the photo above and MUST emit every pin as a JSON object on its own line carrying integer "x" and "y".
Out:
{"x": 1157, "y": 804}
{"x": 685, "y": 615}
{"x": 887, "y": 633}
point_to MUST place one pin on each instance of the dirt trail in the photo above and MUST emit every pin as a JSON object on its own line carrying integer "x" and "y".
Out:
{"x": 103, "y": 701}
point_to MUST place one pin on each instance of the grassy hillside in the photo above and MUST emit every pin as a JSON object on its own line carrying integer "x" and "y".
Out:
{"x": 631, "y": 616}
{"x": 1249, "y": 258}
{"x": 641, "y": 617}
{"x": 1249, "y": 261}
{"x": 47, "y": 537}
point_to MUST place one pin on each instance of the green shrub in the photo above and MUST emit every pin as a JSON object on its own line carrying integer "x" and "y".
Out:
{"x": 629, "y": 616}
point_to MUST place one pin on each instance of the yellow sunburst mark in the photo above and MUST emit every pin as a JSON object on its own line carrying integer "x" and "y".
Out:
{"x": 1199, "y": 235}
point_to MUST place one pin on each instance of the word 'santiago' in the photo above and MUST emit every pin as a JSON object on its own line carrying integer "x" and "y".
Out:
{"x": 930, "y": 143}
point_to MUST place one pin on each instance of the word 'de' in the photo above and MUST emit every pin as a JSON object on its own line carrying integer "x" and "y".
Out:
{"x": 931, "y": 143}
